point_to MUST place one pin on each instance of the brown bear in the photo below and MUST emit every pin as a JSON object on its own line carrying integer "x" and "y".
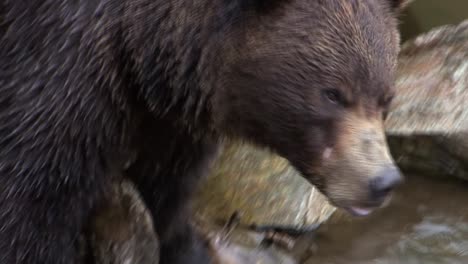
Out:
{"x": 85, "y": 85}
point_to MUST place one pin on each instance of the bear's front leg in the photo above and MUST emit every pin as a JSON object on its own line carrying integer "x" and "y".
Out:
{"x": 41, "y": 220}
{"x": 186, "y": 246}
{"x": 167, "y": 171}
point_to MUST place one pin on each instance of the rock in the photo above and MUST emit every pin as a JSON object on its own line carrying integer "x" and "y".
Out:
{"x": 263, "y": 187}
{"x": 428, "y": 126}
{"x": 242, "y": 245}
{"x": 237, "y": 254}
{"x": 122, "y": 230}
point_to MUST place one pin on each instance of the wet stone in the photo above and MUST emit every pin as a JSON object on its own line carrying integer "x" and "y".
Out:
{"x": 428, "y": 125}
{"x": 264, "y": 188}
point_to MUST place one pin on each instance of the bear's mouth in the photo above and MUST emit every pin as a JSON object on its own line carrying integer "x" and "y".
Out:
{"x": 367, "y": 210}
{"x": 359, "y": 211}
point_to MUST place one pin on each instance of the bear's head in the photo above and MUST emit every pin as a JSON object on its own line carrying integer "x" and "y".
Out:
{"x": 313, "y": 81}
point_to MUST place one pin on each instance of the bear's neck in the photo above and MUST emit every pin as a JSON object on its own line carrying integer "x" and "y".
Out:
{"x": 173, "y": 48}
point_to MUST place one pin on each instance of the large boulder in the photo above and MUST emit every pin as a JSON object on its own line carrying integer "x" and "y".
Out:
{"x": 263, "y": 187}
{"x": 428, "y": 126}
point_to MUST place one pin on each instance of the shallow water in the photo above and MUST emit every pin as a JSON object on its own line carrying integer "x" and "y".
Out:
{"x": 426, "y": 223}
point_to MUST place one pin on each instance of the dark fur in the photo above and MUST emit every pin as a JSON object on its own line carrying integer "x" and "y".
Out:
{"x": 86, "y": 84}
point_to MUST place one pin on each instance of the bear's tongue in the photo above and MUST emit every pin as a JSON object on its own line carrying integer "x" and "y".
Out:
{"x": 359, "y": 211}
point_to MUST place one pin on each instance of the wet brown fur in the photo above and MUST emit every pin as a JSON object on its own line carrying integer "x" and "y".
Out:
{"x": 87, "y": 85}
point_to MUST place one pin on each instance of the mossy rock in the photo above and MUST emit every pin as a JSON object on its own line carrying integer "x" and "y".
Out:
{"x": 428, "y": 126}
{"x": 263, "y": 187}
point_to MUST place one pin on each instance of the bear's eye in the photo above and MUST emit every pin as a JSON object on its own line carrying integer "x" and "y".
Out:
{"x": 333, "y": 95}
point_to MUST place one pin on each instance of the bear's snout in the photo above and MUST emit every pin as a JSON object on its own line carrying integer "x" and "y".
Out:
{"x": 384, "y": 183}
{"x": 358, "y": 172}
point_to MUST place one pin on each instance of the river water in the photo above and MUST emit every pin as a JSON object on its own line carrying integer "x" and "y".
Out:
{"x": 426, "y": 223}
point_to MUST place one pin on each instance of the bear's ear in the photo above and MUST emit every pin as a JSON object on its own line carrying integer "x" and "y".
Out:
{"x": 399, "y": 4}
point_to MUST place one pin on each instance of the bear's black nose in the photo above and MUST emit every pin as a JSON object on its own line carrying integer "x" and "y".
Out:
{"x": 387, "y": 180}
